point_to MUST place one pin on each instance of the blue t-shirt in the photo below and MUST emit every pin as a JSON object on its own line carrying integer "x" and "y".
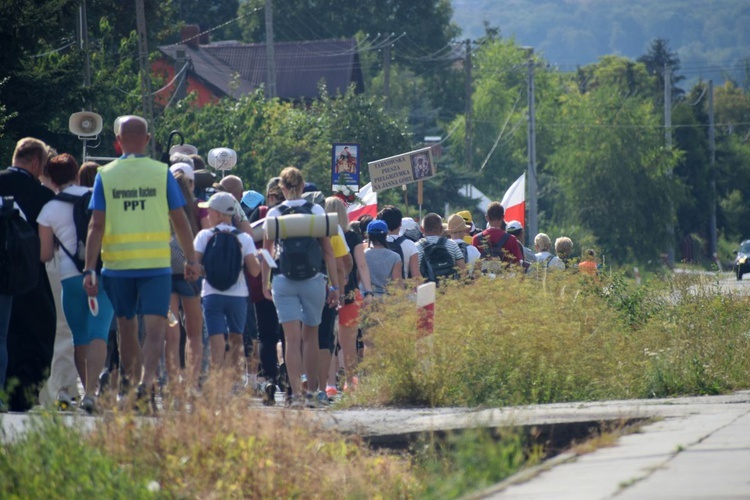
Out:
{"x": 175, "y": 200}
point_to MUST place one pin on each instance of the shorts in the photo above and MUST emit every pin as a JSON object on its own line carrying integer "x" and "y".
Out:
{"x": 299, "y": 300}
{"x": 349, "y": 314}
{"x": 326, "y": 331}
{"x": 184, "y": 288}
{"x": 149, "y": 296}
{"x": 224, "y": 314}
{"x": 84, "y": 326}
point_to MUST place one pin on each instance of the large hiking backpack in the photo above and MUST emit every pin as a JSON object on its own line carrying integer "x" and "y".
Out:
{"x": 222, "y": 260}
{"x": 437, "y": 262}
{"x": 19, "y": 251}
{"x": 81, "y": 218}
{"x": 492, "y": 251}
{"x": 300, "y": 258}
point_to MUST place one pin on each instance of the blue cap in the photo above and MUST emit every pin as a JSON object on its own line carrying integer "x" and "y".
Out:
{"x": 310, "y": 187}
{"x": 377, "y": 227}
{"x": 252, "y": 199}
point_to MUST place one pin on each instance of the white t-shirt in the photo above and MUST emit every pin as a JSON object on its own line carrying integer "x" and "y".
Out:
{"x": 408, "y": 248}
{"x": 58, "y": 216}
{"x": 239, "y": 289}
{"x": 554, "y": 263}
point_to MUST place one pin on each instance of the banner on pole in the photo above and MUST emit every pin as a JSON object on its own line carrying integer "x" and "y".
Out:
{"x": 401, "y": 169}
{"x": 345, "y": 167}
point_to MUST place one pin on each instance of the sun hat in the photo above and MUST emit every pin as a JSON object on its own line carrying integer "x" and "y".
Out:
{"x": 456, "y": 224}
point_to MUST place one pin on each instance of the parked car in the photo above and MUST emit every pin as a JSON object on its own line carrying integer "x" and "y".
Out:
{"x": 742, "y": 260}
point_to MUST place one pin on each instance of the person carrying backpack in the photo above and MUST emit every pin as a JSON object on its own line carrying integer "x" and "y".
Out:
{"x": 544, "y": 257}
{"x": 27, "y": 320}
{"x": 223, "y": 250}
{"x": 299, "y": 288}
{"x": 63, "y": 223}
{"x": 439, "y": 257}
{"x": 498, "y": 248}
{"x": 400, "y": 243}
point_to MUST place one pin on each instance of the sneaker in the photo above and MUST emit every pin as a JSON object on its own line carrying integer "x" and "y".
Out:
{"x": 64, "y": 402}
{"x": 310, "y": 400}
{"x": 331, "y": 391}
{"x": 89, "y": 405}
{"x": 322, "y": 399}
{"x": 296, "y": 402}
{"x": 355, "y": 383}
{"x": 103, "y": 381}
{"x": 269, "y": 393}
{"x": 340, "y": 379}
{"x": 145, "y": 400}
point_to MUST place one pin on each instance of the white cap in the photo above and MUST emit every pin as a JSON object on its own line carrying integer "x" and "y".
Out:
{"x": 186, "y": 170}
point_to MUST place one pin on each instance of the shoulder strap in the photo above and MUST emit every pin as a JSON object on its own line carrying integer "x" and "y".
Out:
{"x": 400, "y": 239}
{"x": 441, "y": 241}
{"x": 67, "y": 197}
{"x": 500, "y": 244}
{"x": 548, "y": 260}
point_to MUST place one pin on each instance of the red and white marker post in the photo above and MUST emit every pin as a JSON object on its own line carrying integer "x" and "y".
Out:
{"x": 425, "y": 310}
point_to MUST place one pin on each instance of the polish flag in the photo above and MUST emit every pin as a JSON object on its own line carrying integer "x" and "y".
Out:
{"x": 514, "y": 201}
{"x": 366, "y": 203}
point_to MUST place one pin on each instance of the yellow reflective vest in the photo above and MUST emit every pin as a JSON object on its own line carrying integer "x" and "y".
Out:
{"x": 136, "y": 230}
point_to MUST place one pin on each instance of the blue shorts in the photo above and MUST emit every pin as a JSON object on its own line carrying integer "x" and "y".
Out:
{"x": 184, "y": 288}
{"x": 147, "y": 296}
{"x": 224, "y": 314}
{"x": 299, "y": 300}
{"x": 84, "y": 326}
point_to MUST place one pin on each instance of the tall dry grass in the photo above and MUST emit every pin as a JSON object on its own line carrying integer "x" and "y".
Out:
{"x": 555, "y": 337}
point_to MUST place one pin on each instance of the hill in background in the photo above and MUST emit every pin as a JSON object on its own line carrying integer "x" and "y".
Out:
{"x": 711, "y": 37}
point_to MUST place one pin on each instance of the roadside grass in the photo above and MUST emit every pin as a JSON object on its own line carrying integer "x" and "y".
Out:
{"x": 558, "y": 337}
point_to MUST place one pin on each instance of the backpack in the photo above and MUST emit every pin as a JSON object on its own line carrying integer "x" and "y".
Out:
{"x": 437, "y": 262}
{"x": 494, "y": 251}
{"x": 464, "y": 250}
{"x": 81, "y": 218}
{"x": 222, "y": 260}
{"x": 395, "y": 246}
{"x": 300, "y": 258}
{"x": 19, "y": 251}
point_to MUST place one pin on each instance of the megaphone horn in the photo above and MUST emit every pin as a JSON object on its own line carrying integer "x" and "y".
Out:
{"x": 85, "y": 124}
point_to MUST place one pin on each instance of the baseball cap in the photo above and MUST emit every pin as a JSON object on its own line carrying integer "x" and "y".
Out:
{"x": 221, "y": 202}
{"x": 513, "y": 227}
{"x": 186, "y": 170}
{"x": 377, "y": 227}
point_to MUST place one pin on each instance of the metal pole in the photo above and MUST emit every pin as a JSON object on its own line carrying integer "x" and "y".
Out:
{"x": 469, "y": 111}
{"x": 668, "y": 140}
{"x": 712, "y": 148}
{"x": 270, "y": 56}
{"x": 387, "y": 76}
{"x": 533, "y": 228}
{"x": 148, "y": 108}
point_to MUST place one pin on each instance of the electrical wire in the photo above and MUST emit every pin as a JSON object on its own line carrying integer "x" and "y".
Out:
{"x": 492, "y": 150}
{"x": 44, "y": 54}
{"x": 165, "y": 87}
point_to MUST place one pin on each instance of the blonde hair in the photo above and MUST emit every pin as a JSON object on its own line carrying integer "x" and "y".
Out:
{"x": 563, "y": 246}
{"x": 292, "y": 180}
{"x": 542, "y": 243}
{"x": 334, "y": 204}
{"x": 30, "y": 149}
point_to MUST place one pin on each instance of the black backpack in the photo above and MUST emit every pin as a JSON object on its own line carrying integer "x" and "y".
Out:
{"x": 19, "y": 251}
{"x": 222, "y": 260}
{"x": 81, "y": 218}
{"x": 299, "y": 258}
{"x": 490, "y": 251}
{"x": 464, "y": 250}
{"x": 437, "y": 262}
{"x": 395, "y": 246}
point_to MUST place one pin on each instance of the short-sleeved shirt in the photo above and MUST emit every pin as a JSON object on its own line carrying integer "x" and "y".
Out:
{"x": 380, "y": 261}
{"x": 239, "y": 289}
{"x": 408, "y": 248}
{"x": 450, "y": 245}
{"x": 175, "y": 200}
{"x": 472, "y": 254}
{"x": 58, "y": 216}
{"x": 549, "y": 260}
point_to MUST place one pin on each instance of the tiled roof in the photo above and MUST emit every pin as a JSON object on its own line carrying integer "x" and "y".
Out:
{"x": 300, "y": 66}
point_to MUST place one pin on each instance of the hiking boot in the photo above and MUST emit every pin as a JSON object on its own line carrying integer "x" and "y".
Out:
{"x": 269, "y": 393}
{"x": 89, "y": 405}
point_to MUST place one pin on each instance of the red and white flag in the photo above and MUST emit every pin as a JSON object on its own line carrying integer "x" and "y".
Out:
{"x": 514, "y": 201}
{"x": 366, "y": 203}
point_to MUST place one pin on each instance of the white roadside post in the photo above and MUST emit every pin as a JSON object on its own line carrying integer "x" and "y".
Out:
{"x": 425, "y": 309}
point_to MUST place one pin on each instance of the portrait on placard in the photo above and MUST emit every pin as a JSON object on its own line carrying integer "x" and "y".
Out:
{"x": 345, "y": 166}
{"x": 421, "y": 166}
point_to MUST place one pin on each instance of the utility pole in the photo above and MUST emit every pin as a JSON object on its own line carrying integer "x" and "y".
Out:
{"x": 270, "y": 57}
{"x": 387, "y": 76}
{"x": 148, "y": 105}
{"x": 533, "y": 227}
{"x": 712, "y": 148}
{"x": 84, "y": 40}
{"x": 668, "y": 140}
{"x": 468, "y": 113}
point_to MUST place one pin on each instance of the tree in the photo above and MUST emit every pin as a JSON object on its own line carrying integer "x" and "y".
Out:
{"x": 656, "y": 58}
